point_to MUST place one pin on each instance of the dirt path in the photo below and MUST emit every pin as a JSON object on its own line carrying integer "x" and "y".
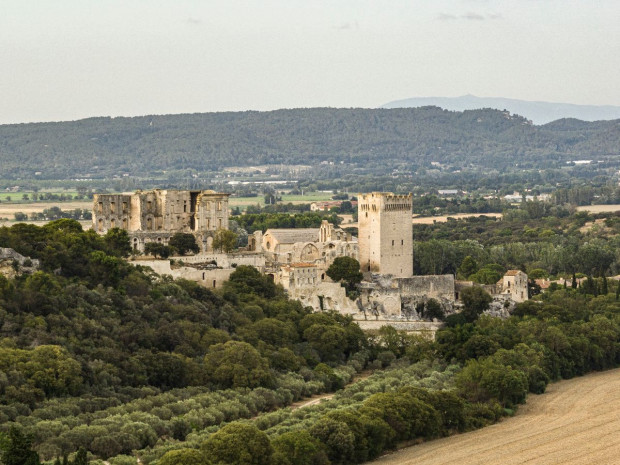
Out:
{"x": 319, "y": 397}
{"x": 577, "y": 422}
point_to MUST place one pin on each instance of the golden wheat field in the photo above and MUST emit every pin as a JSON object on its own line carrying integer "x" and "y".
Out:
{"x": 7, "y": 210}
{"x": 576, "y": 422}
{"x": 599, "y": 208}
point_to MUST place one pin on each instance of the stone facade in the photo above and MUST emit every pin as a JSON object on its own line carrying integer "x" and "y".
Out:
{"x": 397, "y": 298}
{"x": 317, "y": 246}
{"x": 297, "y": 276}
{"x": 385, "y": 233}
{"x": 514, "y": 285}
{"x": 208, "y": 277}
{"x": 156, "y": 215}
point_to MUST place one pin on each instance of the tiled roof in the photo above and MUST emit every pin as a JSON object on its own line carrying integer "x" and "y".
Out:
{"x": 290, "y": 236}
{"x": 513, "y": 272}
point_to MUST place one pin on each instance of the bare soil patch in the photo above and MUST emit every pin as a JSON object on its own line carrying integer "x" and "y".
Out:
{"x": 444, "y": 218}
{"x": 599, "y": 223}
{"x": 576, "y": 422}
{"x": 433, "y": 219}
{"x": 7, "y": 210}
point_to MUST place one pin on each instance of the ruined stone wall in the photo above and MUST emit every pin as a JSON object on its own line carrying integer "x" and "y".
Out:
{"x": 325, "y": 296}
{"x": 225, "y": 260}
{"x": 208, "y": 278}
{"x": 255, "y": 242}
{"x": 418, "y": 327}
{"x": 295, "y": 277}
{"x": 176, "y": 210}
{"x": 211, "y": 211}
{"x": 440, "y": 287}
{"x": 135, "y": 219}
{"x": 137, "y": 239}
{"x": 388, "y": 297}
{"x": 111, "y": 211}
{"x": 154, "y": 216}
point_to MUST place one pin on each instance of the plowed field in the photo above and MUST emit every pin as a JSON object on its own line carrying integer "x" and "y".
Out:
{"x": 576, "y": 422}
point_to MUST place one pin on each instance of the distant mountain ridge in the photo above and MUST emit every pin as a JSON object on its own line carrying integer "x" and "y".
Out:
{"x": 537, "y": 112}
{"x": 372, "y": 140}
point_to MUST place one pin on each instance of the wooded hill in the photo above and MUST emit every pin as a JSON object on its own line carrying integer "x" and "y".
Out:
{"x": 366, "y": 138}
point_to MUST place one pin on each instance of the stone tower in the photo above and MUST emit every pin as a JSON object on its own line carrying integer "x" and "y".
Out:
{"x": 385, "y": 233}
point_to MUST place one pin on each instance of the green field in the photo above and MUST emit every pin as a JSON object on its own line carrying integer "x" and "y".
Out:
{"x": 243, "y": 202}
{"x": 18, "y": 197}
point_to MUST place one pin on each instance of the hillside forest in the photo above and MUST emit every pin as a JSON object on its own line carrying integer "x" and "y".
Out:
{"x": 424, "y": 145}
{"x": 104, "y": 360}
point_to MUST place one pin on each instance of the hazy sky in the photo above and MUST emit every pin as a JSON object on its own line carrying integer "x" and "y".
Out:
{"x": 70, "y": 59}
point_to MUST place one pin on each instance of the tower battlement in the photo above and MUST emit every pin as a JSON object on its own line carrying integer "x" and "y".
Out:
{"x": 384, "y": 200}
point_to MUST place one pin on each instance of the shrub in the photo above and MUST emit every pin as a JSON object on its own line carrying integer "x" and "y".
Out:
{"x": 238, "y": 444}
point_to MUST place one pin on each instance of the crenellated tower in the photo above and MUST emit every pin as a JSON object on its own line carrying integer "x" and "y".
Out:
{"x": 385, "y": 233}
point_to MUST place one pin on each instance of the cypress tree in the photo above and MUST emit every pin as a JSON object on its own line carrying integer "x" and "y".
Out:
{"x": 81, "y": 458}
{"x": 574, "y": 283}
{"x": 604, "y": 288}
{"x": 19, "y": 449}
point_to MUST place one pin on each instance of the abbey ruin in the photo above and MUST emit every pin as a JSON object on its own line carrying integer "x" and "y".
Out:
{"x": 154, "y": 216}
{"x": 298, "y": 259}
